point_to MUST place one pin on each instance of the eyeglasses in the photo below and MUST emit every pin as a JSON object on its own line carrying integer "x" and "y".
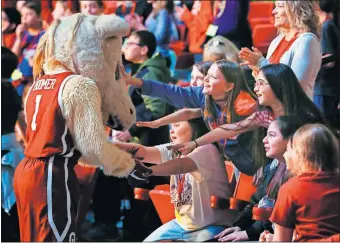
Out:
{"x": 127, "y": 44}
{"x": 261, "y": 83}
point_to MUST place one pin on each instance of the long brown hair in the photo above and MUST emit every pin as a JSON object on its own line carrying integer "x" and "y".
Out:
{"x": 233, "y": 73}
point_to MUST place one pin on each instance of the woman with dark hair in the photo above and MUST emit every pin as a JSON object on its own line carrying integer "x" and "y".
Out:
{"x": 225, "y": 98}
{"x": 279, "y": 93}
{"x": 268, "y": 179}
{"x": 194, "y": 178}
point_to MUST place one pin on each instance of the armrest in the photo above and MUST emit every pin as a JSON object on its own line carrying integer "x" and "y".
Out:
{"x": 142, "y": 194}
{"x": 261, "y": 214}
{"x": 219, "y": 202}
{"x": 237, "y": 204}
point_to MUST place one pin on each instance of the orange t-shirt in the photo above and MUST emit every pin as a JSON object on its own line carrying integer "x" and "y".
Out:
{"x": 281, "y": 49}
{"x": 197, "y": 25}
{"x": 309, "y": 203}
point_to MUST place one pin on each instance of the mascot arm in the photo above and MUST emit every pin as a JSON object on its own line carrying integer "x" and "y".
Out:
{"x": 82, "y": 111}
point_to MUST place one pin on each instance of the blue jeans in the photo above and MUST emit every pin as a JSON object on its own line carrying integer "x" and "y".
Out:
{"x": 173, "y": 231}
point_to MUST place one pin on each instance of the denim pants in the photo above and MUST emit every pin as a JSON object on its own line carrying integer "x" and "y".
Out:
{"x": 173, "y": 231}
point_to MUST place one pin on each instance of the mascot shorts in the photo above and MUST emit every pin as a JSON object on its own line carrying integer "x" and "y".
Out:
{"x": 47, "y": 195}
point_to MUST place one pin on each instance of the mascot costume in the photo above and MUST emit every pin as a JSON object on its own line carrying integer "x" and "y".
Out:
{"x": 76, "y": 92}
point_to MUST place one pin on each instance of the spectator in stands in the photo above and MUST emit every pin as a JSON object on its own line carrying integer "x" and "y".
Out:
{"x": 313, "y": 156}
{"x": 92, "y": 7}
{"x": 297, "y": 45}
{"x": 11, "y": 150}
{"x": 161, "y": 22}
{"x": 268, "y": 180}
{"x": 10, "y": 19}
{"x": 28, "y": 35}
{"x": 197, "y": 21}
{"x": 232, "y": 22}
{"x": 224, "y": 98}
{"x": 279, "y": 93}
{"x": 139, "y": 49}
{"x": 327, "y": 86}
{"x": 61, "y": 10}
{"x": 194, "y": 178}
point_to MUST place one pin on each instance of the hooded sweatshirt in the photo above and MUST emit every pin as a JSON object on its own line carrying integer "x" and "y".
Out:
{"x": 149, "y": 108}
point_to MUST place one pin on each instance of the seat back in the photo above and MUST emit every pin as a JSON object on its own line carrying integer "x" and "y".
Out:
{"x": 263, "y": 35}
{"x": 161, "y": 199}
{"x": 260, "y": 9}
{"x": 244, "y": 188}
{"x": 230, "y": 170}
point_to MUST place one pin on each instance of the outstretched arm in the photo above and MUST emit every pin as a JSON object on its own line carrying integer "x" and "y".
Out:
{"x": 174, "y": 167}
{"x": 148, "y": 154}
{"x": 190, "y": 97}
{"x": 223, "y": 132}
{"x": 82, "y": 111}
{"x": 178, "y": 116}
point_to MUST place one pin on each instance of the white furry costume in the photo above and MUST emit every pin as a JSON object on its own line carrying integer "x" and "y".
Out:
{"x": 45, "y": 183}
{"x": 91, "y": 46}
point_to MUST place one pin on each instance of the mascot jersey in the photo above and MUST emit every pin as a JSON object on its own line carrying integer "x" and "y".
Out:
{"x": 45, "y": 177}
{"x": 47, "y": 134}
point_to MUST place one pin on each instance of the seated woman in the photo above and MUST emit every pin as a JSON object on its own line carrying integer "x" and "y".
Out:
{"x": 268, "y": 179}
{"x": 309, "y": 203}
{"x": 194, "y": 178}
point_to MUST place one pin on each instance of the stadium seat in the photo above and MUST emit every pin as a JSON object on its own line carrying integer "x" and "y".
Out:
{"x": 161, "y": 199}
{"x": 261, "y": 214}
{"x": 243, "y": 191}
{"x": 263, "y": 35}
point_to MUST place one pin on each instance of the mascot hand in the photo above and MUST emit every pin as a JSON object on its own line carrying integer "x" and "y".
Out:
{"x": 139, "y": 174}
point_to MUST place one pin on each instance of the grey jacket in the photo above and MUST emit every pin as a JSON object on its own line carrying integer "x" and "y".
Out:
{"x": 304, "y": 57}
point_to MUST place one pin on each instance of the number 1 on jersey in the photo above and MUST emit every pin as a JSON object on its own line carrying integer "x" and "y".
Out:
{"x": 37, "y": 103}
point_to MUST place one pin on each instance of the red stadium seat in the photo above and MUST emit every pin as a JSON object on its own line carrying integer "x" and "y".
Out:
{"x": 161, "y": 199}
{"x": 260, "y": 12}
{"x": 263, "y": 35}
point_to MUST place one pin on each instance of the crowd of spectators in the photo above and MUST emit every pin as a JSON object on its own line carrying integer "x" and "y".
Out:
{"x": 204, "y": 93}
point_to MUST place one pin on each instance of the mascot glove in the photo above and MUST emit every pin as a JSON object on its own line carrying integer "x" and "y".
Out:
{"x": 139, "y": 174}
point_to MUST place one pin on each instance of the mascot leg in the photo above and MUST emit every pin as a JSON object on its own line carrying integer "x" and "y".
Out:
{"x": 47, "y": 197}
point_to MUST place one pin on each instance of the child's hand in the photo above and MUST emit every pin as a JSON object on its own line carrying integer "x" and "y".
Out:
{"x": 266, "y": 236}
{"x": 20, "y": 31}
{"x": 184, "y": 148}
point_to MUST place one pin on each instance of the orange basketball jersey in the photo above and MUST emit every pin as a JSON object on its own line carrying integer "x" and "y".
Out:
{"x": 47, "y": 134}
